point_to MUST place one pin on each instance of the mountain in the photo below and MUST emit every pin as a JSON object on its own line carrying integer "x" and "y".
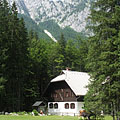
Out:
{"x": 66, "y": 13}
{"x": 52, "y": 27}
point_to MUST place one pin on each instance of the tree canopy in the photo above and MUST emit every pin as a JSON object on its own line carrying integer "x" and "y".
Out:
{"x": 28, "y": 63}
{"x": 104, "y": 57}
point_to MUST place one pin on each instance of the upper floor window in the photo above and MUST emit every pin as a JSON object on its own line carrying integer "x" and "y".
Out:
{"x": 62, "y": 90}
{"x": 67, "y": 94}
{"x": 72, "y": 105}
{"x": 51, "y": 105}
{"x": 56, "y": 105}
{"x": 66, "y": 106}
{"x": 55, "y": 95}
{"x": 72, "y": 94}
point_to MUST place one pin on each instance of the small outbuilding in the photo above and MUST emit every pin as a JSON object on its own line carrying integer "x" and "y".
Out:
{"x": 40, "y": 106}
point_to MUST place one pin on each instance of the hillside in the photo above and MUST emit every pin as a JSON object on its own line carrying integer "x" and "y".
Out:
{"x": 52, "y": 27}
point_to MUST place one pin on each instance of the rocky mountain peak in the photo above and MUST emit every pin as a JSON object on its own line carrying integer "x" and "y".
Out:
{"x": 71, "y": 13}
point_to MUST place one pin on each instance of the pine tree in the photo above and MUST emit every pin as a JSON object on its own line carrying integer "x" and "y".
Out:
{"x": 82, "y": 51}
{"x": 62, "y": 44}
{"x": 60, "y": 59}
{"x": 15, "y": 64}
{"x": 37, "y": 75}
{"x": 4, "y": 20}
{"x": 4, "y": 14}
{"x": 104, "y": 57}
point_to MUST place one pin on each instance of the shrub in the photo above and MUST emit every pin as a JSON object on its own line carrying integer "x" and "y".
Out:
{"x": 22, "y": 113}
{"x": 35, "y": 112}
{"x": 80, "y": 118}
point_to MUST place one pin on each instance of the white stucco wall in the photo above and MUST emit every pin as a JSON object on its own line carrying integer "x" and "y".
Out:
{"x": 62, "y": 111}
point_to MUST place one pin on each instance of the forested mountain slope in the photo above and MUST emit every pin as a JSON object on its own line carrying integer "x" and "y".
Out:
{"x": 52, "y": 27}
{"x": 66, "y": 16}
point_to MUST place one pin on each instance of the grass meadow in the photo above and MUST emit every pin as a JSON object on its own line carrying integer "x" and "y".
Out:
{"x": 28, "y": 117}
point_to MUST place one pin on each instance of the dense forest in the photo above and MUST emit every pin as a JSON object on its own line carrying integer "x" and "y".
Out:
{"x": 28, "y": 62}
{"x": 104, "y": 58}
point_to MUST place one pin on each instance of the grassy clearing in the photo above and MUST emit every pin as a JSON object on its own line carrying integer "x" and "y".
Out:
{"x": 28, "y": 117}
{"x": 108, "y": 118}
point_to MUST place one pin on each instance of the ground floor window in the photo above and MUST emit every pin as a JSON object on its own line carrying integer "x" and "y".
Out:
{"x": 66, "y": 106}
{"x": 72, "y": 105}
{"x": 56, "y": 105}
{"x": 51, "y": 105}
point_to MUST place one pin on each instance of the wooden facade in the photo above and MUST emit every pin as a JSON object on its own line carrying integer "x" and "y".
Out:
{"x": 61, "y": 92}
{"x": 65, "y": 93}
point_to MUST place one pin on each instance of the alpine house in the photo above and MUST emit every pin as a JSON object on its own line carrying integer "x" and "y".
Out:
{"x": 65, "y": 93}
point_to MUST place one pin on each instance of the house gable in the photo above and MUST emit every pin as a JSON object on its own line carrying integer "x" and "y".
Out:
{"x": 59, "y": 92}
{"x": 66, "y": 92}
{"x": 68, "y": 86}
{"x": 77, "y": 81}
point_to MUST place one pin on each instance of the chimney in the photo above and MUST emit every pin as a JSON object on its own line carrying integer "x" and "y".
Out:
{"x": 67, "y": 68}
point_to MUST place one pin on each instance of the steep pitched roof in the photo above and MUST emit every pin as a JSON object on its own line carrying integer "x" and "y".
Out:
{"x": 37, "y": 103}
{"x": 77, "y": 81}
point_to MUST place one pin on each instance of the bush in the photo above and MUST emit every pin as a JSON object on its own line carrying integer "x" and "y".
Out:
{"x": 80, "y": 118}
{"x": 35, "y": 112}
{"x": 22, "y": 113}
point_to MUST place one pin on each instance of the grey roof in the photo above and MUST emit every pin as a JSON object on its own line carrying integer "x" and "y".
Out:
{"x": 77, "y": 81}
{"x": 37, "y": 103}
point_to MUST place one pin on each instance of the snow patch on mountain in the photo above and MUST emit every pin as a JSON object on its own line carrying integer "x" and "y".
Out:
{"x": 50, "y": 35}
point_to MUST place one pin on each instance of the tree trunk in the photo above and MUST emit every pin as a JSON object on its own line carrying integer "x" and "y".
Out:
{"x": 113, "y": 114}
{"x": 118, "y": 118}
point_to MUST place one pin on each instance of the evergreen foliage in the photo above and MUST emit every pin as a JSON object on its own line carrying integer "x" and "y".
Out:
{"x": 67, "y": 54}
{"x": 14, "y": 51}
{"x": 56, "y": 31}
{"x": 52, "y": 27}
{"x": 28, "y": 62}
{"x": 104, "y": 58}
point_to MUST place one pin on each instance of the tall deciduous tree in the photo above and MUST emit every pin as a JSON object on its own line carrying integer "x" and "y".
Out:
{"x": 104, "y": 57}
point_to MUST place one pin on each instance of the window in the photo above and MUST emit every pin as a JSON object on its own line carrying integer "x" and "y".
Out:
{"x": 67, "y": 94}
{"x": 55, "y": 95}
{"x": 51, "y": 105}
{"x": 72, "y": 94}
{"x": 72, "y": 105}
{"x": 61, "y": 90}
{"x": 66, "y": 106}
{"x": 56, "y": 105}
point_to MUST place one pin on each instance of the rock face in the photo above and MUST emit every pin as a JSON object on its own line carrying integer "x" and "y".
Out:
{"x": 71, "y": 13}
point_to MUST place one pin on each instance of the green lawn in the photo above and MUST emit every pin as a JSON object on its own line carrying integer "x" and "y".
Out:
{"x": 28, "y": 117}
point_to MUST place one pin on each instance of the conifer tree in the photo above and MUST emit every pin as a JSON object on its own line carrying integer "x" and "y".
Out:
{"x": 104, "y": 57}
{"x": 15, "y": 63}
{"x": 62, "y": 44}
{"x": 4, "y": 21}
{"x": 4, "y": 15}
{"x": 76, "y": 53}
{"x": 60, "y": 60}
{"x": 37, "y": 74}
